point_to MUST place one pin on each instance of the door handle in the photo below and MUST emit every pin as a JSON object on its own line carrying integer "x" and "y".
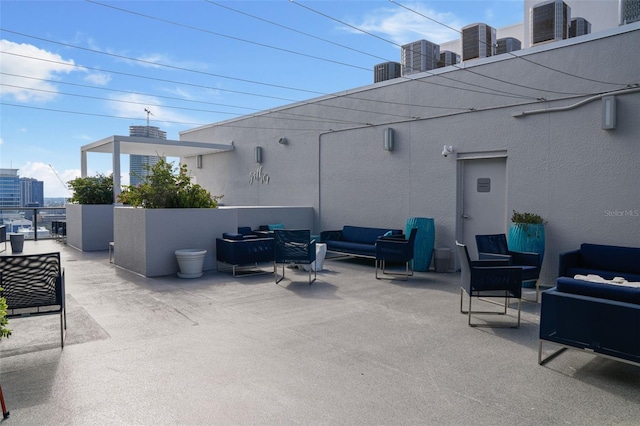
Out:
{"x": 465, "y": 216}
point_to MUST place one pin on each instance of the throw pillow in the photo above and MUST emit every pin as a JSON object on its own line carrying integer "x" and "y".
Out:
{"x": 276, "y": 226}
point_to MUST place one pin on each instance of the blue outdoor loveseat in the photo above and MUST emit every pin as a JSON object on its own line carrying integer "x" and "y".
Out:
{"x": 356, "y": 240}
{"x": 603, "y": 260}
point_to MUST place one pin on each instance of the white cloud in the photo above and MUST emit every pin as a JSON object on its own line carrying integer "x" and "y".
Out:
{"x": 99, "y": 79}
{"x": 53, "y": 187}
{"x": 56, "y": 185}
{"x": 404, "y": 26}
{"x": 22, "y": 69}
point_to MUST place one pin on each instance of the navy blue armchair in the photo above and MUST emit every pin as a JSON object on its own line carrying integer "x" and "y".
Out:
{"x": 494, "y": 247}
{"x": 394, "y": 249}
{"x": 488, "y": 279}
{"x": 294, "y": 247}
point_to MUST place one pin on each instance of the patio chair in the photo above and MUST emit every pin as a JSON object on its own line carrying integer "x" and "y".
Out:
{"x": 395, "y": 249}
{"x": 494, "y": 247}
{"x": 293, "y": 247}
{"x": 33, "y": 285}
{"x": 488, "y": 279}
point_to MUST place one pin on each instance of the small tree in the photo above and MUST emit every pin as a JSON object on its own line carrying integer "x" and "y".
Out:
{"x": 163, "y": 188}
{"x": 92, "y": 190}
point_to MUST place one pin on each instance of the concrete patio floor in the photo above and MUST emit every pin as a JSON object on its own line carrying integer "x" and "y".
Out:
{"x": 347, "y": 350}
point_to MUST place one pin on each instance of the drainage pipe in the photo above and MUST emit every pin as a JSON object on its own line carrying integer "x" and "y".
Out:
{"x": 577, "y": 104}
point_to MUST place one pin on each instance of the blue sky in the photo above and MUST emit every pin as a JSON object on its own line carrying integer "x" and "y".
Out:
{"x": 74, "y": 72}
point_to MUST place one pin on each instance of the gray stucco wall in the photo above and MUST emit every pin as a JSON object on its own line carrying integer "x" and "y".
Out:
{"x": 562, "y": 165}
{"x": 89, "y": 226}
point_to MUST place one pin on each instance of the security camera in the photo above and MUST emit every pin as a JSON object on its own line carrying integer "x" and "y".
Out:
{"x": 446, "y": 150}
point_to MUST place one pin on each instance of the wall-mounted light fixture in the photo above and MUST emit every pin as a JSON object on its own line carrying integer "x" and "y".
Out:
{"x": 283, "y": 141}
{"x": 609, "y": 112}
{"x": 388, "y": 139}
{"x": 258, "y": 154}
{"x": 447, "y": 150}
{"x": 199, "y": 161}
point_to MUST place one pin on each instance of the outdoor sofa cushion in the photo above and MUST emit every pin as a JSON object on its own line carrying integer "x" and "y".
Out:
{"x": 621, "y": 293}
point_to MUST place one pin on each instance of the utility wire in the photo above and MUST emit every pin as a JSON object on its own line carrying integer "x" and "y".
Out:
{"x": 158, "y": 64}
{"x": 164, "y": 121}
{"x": 150, "y": 78}
{"x": 454, "y": 65}
{"x": 427, "y": 72}
{"x": 496, "y": 92}
{"x": 166, "y": 21}
{"x": 300, "y": 116}
{"x": 203, "y": 86}
{"x": 295, "y": 30}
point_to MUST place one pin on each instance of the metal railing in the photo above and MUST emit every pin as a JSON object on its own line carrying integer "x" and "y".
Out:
{"x": 36, "y": 223}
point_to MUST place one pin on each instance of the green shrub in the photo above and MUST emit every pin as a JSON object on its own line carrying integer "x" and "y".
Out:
{"x": 4, "y": 331}
{"x": 163, "y": 188}
{"x": 92, "y": 190}
{"x": 529, "y": 218}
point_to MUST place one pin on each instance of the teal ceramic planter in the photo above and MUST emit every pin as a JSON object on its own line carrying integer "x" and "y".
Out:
{"x": 527, "y": 237}
{"x": 425, "y": 239}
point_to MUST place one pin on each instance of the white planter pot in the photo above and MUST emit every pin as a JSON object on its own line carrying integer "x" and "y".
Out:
{"x": 190, "y": 262}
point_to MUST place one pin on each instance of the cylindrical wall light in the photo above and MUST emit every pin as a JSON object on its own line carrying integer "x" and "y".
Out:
{"x": 388, "y": 139}
{"x": 609, "y": 112}
{"x": 258, "y": 154}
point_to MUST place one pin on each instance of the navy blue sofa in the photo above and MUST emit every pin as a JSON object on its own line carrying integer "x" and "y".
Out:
{"x": 606, "y": 261}
{"x": 601, "y": 318}
{"x": 356, "y": 240}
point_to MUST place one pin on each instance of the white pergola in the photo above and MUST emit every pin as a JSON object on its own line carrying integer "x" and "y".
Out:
{"x": 117, "y": 145}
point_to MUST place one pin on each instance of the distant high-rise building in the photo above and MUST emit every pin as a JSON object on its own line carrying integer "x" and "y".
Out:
{"x": 629, "y": 11}
{"x": 448, "y": 58}
{"x": 147, "y": 132}
{"x": 549, "y": 21}
{"x": 386, "y": 71}
{"x": 419, "y": 56}
{"x": 9, "y": 188}
{"x": 31, "y": 192}
{"x": 477, "y": 41}
{"x": 139, "y": 164}
{"x": 579, "y": 26}
{"x": 507, "y": 44}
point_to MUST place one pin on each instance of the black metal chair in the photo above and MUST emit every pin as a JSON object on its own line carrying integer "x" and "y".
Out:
{"x": 488, "y": 279}
{"x": 494, "y": 247}
{"x": 393, "y": 249}
{"x": 33, "y": 285}
{"x": 293, "y": 247}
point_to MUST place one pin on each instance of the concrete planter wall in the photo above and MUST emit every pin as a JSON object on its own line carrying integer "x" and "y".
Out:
{"x": 146, "y": 239}
{"x": 89, "y": 226}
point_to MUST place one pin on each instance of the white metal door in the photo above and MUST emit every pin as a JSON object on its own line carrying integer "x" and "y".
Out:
{"x": 482, "y": 206}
